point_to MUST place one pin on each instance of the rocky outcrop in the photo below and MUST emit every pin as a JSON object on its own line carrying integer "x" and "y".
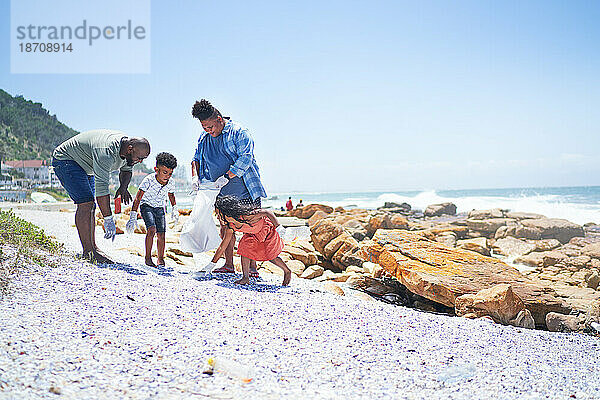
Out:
{"x": 435, "y": 210}
{"x": 442, "y": 274}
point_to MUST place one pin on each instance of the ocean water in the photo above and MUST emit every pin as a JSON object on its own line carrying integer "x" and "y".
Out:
{"x": 579, "y": 204}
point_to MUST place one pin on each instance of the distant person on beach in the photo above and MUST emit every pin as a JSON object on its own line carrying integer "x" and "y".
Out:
{"x": 300, "y": 204}
{"x": 288, "y": 205}
{"x": 225, "y": 148}
{"x": 262, "y": 236}
{"x": 83, "y": 165}
{"x": 151, "y": 199}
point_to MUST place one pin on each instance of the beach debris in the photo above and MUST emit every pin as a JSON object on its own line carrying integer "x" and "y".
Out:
{"x": 230, "y": 368}
{"x": 456, "y": 373}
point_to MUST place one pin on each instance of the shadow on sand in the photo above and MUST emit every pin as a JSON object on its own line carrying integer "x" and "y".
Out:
{"x": 228, "y": 281}
{"x": 137, "y": 270}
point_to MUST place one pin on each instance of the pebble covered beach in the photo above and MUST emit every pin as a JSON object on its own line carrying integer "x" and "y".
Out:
{"x": 79, "y": 330}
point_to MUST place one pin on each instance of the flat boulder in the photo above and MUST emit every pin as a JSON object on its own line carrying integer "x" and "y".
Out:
{"x": 435, "y": 210}
{"x": 478, "y": 245}
{"x": 487, "y": 214}
{"x": 512, "y": 247}
{"x": 441, "y": 274}
{"x": 591, "y": 250}
{"x": 555, "y": 228}
{"x": 488, "y": 226}
{"x": 402, "y": 208}
{"x": 524, "y": 215}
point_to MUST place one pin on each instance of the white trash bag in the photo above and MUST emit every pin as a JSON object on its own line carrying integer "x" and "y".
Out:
{"x": 200, "y": 234}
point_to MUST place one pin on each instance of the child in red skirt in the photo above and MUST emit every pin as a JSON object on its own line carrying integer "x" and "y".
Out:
{"x": 261, "y": 240}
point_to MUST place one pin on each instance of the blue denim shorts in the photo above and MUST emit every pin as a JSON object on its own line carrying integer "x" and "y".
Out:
{"x": 154, "y": 216}
{"x": 78, "y": 184}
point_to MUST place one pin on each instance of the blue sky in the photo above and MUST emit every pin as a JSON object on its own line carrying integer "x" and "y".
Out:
{"x": 349, "y": 96}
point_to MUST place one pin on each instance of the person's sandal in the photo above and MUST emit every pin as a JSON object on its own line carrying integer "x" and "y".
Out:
{"x": 253, "y": 274}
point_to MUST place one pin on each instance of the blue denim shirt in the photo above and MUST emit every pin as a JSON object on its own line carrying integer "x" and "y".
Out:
{"x": 239, "y": 146}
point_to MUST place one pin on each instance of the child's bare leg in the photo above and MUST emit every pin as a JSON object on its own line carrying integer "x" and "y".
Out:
{"x": 253, "y": 266}
{"x": 149, "y": 242}
{"x": 228, "y": 249}
{"x": 160, "y": 247}
{"x": 246, "y": 271}
{"x": 287, "y": 273}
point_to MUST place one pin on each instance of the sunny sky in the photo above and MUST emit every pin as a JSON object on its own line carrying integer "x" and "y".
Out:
{"x": 357, "y": 96}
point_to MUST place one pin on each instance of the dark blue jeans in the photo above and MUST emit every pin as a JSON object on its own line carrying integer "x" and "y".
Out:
{"x": 78, "y": 184}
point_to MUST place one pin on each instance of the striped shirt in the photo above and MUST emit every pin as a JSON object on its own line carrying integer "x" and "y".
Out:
{"x": 240, "y": 147}
{"x": 155, "y": 193}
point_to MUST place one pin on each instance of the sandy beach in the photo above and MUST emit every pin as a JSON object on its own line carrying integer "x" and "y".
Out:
{"x": 88, "y": 331}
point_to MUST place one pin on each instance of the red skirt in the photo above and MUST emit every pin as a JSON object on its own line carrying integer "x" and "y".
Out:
{"x": 264, "y": 244}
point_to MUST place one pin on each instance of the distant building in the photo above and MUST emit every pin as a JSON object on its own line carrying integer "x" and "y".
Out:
{"x": 37, "y": 171}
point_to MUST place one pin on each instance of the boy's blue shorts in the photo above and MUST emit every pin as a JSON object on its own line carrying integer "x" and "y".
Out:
{"x": 154, "y": 216}
{"x": 78, "y": 184}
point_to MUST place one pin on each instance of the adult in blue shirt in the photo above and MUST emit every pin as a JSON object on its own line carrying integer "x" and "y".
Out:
{"x": 226, "y": 149}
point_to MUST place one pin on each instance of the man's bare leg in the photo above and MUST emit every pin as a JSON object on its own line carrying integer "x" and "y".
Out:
{"x": 85, "y": 227}
{"x": 93, "y": 235}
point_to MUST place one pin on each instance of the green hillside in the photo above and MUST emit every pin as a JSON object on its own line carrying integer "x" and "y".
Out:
{"x": 27, "y": 130}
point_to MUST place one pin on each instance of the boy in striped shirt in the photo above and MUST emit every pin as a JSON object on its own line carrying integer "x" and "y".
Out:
{"x": 151, "y": 199}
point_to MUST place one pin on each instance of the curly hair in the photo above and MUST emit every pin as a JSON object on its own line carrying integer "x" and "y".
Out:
{"x": 204, "y": 110}
{"x": 166, "y": 159}
{"x": 230, "y": 206}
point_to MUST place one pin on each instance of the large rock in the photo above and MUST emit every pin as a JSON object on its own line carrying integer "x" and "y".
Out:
{"x": 435, "y": 210}
{"x": 488, "y": 226}
{"x": 308, "y": 211}
{"x": 545, "y": 244}
{"x": 323, "y": 232}
{"x": 498, "y": 302}
{"x": 318, "y": 215}
{"x": 559, "y": 229}
{"x": 478, "y": 245}
{"x": 524, "y": 215}
{"x": 312, "y": 271}
{"x": 591, "y": 250}
{"x": 442, "y": 274}
{"x": 487, "y": 214}
{"x": 517, "y": 230}
{"x": 342, "y": 257}
{"x": 378, "y": 221}
{"x": 389, "y": 206}
{"x": 300, "y": 254}
{"x": 512, "y": 247}
{"x": 556, "y": 322}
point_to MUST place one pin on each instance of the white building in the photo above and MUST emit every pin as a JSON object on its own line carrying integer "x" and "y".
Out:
{"x": 37, "y": 171}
